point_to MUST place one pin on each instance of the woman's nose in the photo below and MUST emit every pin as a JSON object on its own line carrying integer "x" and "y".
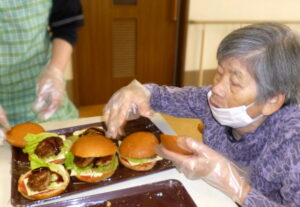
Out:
{"x": 220, "y": 86}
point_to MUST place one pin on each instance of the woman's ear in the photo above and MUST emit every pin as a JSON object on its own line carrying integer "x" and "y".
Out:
{"x": 273, "y": 104}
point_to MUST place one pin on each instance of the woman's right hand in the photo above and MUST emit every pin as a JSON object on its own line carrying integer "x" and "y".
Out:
{"x": 133, "y": 99}
{"x": 4, "y": 125}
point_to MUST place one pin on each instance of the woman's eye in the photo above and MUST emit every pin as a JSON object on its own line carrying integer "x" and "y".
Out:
{"x": 235, "y": 84}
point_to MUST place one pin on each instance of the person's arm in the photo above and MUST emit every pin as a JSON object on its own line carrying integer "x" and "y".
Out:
{"x": 188, "y": 102}
{"x": 66, "y": 16}
{"x": 286, "y": 168}
{"x": 61, "y": 53}
{"x": 256, "y": 198}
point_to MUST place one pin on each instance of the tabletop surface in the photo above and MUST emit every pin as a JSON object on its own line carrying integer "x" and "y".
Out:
{"x": 201, "y": 193}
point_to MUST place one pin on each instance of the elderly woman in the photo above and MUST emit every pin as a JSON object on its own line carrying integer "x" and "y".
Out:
{"x": 251, "y": 117}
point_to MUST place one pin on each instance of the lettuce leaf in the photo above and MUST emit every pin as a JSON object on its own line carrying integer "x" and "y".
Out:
{"x": 142, "y": 160}
{"x": 34, "y": 139}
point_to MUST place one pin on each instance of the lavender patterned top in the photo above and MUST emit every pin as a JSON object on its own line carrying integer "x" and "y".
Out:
{"x": 271, "y": 153}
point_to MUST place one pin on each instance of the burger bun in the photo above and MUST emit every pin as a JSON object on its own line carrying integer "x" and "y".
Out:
{"x": 139, "y": 145}
{"x": 90, "y": 179}
{"x": 15, "y": 136}
{"x": 46, "y": 193}
{"x": 93, "y": 145}
{"x": 170, "y": 143}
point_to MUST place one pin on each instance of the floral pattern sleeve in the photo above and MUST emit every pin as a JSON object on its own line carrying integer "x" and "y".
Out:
{"x": 188, "y": 102}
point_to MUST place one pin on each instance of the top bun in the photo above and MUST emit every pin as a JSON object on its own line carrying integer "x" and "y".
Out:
{"x": 170, "y": 143}
{"x": 93, "y": 145}
{"x": 15, "y": 136}
{"x": 139, "y": 145}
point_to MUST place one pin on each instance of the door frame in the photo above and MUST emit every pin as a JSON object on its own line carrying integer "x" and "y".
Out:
{"x": 181, "y": 42}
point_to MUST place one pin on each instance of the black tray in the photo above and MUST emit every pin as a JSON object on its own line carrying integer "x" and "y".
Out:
{"x": 20, "y": 165}
{"x": 164, "y": 193}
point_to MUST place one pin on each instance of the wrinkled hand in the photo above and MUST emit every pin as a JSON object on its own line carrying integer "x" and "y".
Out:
{"x": 131, "y": 100}
{"x": 50, "y": 92}
{"x": 4, "y": 125}
{"x": 209, "y": 165}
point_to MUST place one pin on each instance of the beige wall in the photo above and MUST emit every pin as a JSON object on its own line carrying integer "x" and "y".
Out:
{"x": 281, "y": 10}
{"x": 210, "y": 21}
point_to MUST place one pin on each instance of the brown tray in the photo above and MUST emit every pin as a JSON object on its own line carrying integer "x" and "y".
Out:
{"x": 164, "y": 193}
{"x": 20, "y": 165}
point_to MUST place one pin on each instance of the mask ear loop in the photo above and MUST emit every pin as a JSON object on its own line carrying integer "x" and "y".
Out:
{"x": 251, "y": 104}
{"x": 256, "y": 118}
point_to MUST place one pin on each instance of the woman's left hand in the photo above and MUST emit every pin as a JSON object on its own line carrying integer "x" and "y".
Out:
{"x": 50, "y": 92}
{"x": 207, "y": 164}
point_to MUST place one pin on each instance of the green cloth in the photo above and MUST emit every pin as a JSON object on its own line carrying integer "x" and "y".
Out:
{"x": 25, "y": 50}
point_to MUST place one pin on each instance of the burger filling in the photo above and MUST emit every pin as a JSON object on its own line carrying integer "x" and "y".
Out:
{"x": 136, "y": 161}
{"x": 44, "y": 179}
{"x": 46, "y": 147}
{"x": 95, "y": 161}
{"x": 91, "y": 166}
{"x": 91, "y": 130}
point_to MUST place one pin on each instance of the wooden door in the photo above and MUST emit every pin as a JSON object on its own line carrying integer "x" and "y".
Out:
{"x": 122, "y": 40}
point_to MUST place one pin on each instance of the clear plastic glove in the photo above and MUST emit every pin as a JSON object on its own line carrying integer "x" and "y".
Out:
{"x": 50, "y": 92}
{"x": 4, "y": 125}
{"x": 127, "y": 103}
{"x": 209, "y": 165}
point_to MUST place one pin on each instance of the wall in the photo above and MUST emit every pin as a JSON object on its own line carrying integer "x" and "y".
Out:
{"x": 210, "y": 21}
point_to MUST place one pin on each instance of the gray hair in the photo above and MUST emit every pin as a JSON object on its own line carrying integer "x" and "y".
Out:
{"x": 271, "y": 54}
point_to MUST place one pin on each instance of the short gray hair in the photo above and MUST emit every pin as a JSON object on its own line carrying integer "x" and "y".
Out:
{"x": 271, "y": 53}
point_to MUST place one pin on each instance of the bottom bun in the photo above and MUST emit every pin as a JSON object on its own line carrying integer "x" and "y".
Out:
{"x": 95, "y": 179}
{"x": 42, "y": 195}
{"x": 141, "y": 167}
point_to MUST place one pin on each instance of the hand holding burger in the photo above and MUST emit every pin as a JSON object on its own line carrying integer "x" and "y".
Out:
{"x": 170, "y": 143}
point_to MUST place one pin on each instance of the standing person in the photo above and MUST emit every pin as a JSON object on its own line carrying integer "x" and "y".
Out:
{"x": 36, "y": 41}
{"x": 251, "y": 117}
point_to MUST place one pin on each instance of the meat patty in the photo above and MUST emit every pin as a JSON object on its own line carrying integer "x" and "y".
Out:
{"x": 96, "y": 161}
{"x": 102, "y": 160}
{"x": 39, "y": 179}
{"x": 83, "y": 162}
{"x": 94, "y": 130}
{"x": 48, "y": 147}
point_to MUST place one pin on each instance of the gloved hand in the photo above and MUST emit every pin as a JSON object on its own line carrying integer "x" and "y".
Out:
{"x": 131, "y": 100}
{"x": 209, "y": 165}
{"x": 4, "y": 125}
{"x": 50, "y": 92}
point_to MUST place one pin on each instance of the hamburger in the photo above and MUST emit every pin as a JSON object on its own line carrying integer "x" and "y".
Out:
{"x": 15, "y": 136}
{"x": 43, "y": 182}
{"x": 92, "y": 158}
{"x": 47, "y": 147}
{"x": 137, "y": 151}
{"x": 90, "y": 130}
{"x": 170, "y": 143}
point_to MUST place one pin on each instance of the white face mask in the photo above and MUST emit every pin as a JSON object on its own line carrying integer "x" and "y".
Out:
{"x": 235, "y": 117}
